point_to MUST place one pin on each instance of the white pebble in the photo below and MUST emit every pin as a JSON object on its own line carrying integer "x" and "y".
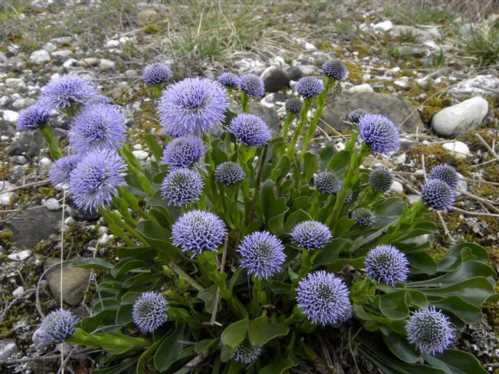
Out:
{"x": 457, "y": 148}
{"x": 18, "y": 292}
{"x": 396, "y": 187}
{"x": 19, "y": 256}
{"x": 141, "y": 155}
{"x": 52, "y": 204}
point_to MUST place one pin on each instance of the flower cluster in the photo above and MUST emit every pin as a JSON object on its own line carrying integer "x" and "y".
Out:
{"x": 247, "y": 354}
{"x": 229, "y": 80}
{"x": 309, "y": 87}
{"x": 150, "y": 312}
{"x": 387, "y": 265}
{"x": 229, "y": 173}
{"x": 311, "y": 235}
{"x": 363, "y": 217}
{"x": 67, "y": 90}
{"x": 250, "y": 129}
{"x": 183, "y": 152}
{"x": 252, "y": 85}
{"x": 379, "y": 133}
{"x": 181, "y": 187}
{"x": 327, "y": 183}
{"x": 156, "y": 74}
{"x": 380, "y": 179}
{"x": 56, "y": 327}
{"x": 33, "y": 117}
{"x": 335, "y": 69}
{"x": 438, "y": 195}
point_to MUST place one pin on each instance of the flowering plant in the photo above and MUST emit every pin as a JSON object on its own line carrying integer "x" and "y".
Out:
{"x": 242, "y": 250}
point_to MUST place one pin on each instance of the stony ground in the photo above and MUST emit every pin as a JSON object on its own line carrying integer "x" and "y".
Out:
{"x": 431, "y": 69}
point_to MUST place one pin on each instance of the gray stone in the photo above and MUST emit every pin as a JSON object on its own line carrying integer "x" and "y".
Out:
{"x": 20, "y": 255}
{"x": 275, "y": 79}
{"x": 39, "y": 57}
{"x": 294, "y": 73}
{"x": 269, "y": 115}
{"x": 105, "y": 64}
{"x": 74, "y": 281}
{"x": 457, "y": 148}
{"x": 10, "y": 116}
{"x": 484, "y": 85}
{"x": 28, "y": 143}
{"x": 391, "y": 106}
{"x": 421, "y": 34}
{"x": 8, "y": 348}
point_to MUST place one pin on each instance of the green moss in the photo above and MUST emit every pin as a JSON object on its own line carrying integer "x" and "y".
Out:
{"x": 354, "y": 72}
{"x": 435, "y": 154}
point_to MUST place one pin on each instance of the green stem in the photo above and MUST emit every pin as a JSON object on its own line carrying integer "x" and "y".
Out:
{"x": 287, "y": 123}
{"x": 182, "y": 274}
{"x": 244, "y": 102}
{"x": 299, "y": 128}
{"x": 52, "y": 141}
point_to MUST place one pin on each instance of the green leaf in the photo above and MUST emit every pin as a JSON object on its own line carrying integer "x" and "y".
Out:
{"x": 362, "y": 291}
{"x": 465, "y": 312}
{"x": 170, "y": 350}
{"x": 339, "y": 162}
{"x": 466, "y": 270}
{"x": 145, "y": 356}
{"x": 153, "y": 145}
{"x": 394, "y": 305}
{"x": 329, "y": 254}
{"x": 262, "y": 330}
{"x": 401, "y": 348}
{"x": 311, "y": 164}
{"x": 296, "y": 217}
{"x": 125, "y": 265}
{"x": 122, "y": 367}
{"x": 235, "y": 333}
{"x": 113, "y": 342}
{"x": 455, "y": 361}
{"x": 463, "y": 252}
{"x": 279, "y": 365}
{"x": 92, "y": 263}
{"x": 338, "y": 264}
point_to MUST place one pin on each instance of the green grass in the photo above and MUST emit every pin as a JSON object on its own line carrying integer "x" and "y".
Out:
{"x": 483, "y": 44}
{"x": 414, "y": 15}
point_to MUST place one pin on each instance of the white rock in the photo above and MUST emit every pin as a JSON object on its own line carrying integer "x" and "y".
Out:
{"x": 19, "y": 256}
{"x": 485, "y": 85}
{"x": 418, "y": 240}
{"x": 52, "y": 204}
{"x": 18, "y": 292}
{"x": 6, "y": 198}
{"x": 62, "y": 53}
{"x": 423, "y": 82}
{"x": 10, "y": 116}
{"x": 91, "y": 61}
{"x": 413, "y": 198}
{"x": 459, "y": 118}
{"x": 400, "y": 159}
{"x": 104, "y": 239}
{"x": 421, "y": 34}
{"x": 50, "y": 47}
{"x": 39, "y": 57}
{"x": 366, "y": 87}
{"x": 112, "y": 43}
{"x": 141, "y": 155}
{"x": 458, "y": 149}
{"x": 8, "y": 348}
{"x": 14, "y": 82}
{"x": 70, "y": 63}
{"x": 403, "y": 82}
{"x": 383, "y": 26}
{"x": 105, "y": 64}
{"x": 396, "y": 187}
{"x": 45, "y": 162}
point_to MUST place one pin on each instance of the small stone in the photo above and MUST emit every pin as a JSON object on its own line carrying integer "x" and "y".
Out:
{"x": 45, "y": 162}
{"x": 20, "y": 160}
{"x": 70, "y": 63}
{"x": 294, "y": 73}
{"x": 18, "y": 292}
{"x": 6, "y": 198}
{"x": 418, "y": 240}
{"x": 421, "y": 34}
{"x": 39, "y": 57}
{"x": 62, "y": 53}
{"x": 400, "y": 159}
{"x": 105, "y": 64}
{"x": 8, "y": 348}
{"x": 396, "y": 187}
{"x": 460, "y": 118}
{"x": 10, "y": 116}
{"x": 49, "y": 47}
{"x": 14, "y": 82}
{"x": 413, "y": 198}
{"x": 457, "y": 148}
{"x": 112, "y": 43}
{"x": 90, "y": 61}
{"x": 141, "y": 155}
{"x": 366, "y": 87}
{"x": 20, "y": 255}
{"x": 275, "y": 79}
{"x": 383, "y": 26}
{"x": 484, "y": 85}
{"x": 402, "y": 82}
{"x": 74, "y": 281}
{"x": 147, "y": 16}
{"x": 52, "y": 204}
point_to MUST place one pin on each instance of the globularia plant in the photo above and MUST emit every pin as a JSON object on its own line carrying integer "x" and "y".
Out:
{"x": 241, "y": 250}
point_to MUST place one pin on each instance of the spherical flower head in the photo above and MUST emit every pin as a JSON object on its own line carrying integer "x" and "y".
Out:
{"x": 311, "y": 235}
{"x": 95, "y": 180}
{"x": 327, "y": 183}
{"x": 68, "y": 89}
{"x": 192, "y": 106}
{"x": 197, "y": 231}
{"x": 181, "y": 187}
{"x": 97, "y": 126}
{"x": 252, "y": 85}
{"x": 262, "y": 254}
{"x": 355, "y": 115}
{"x": 33, "y": 117}
{"x": 323, "y": 298}
{"x": 61, "y": 169}
{"x": 229, "y": 173}
{"x": 293, "y": 105}
{"x": 335, "y": 69}
{"x": 56, "y": 327}
{"x": 445, "y": 173}
{"x": 183, "y": 152}
{"x": 247, "y": 354}
{"x": 250, "y": 129}
{"x": 387, "y": 265}
{"x": 156, "y": 74}
{"x": 380, "y": 179}
{"x": 437, "y": 194}
{"x": 309, "y": 87}
{"x": 229, "y": 80}
{"x": 149, "y": 312}
{"x": 363, "y": 217}
{"x": 430, "y": 330}
{"x": 379, "y": 133}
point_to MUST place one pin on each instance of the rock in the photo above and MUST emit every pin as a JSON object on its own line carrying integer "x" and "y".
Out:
{"x": 366, "y": 87}
{"x": 105, "y": 64}
{"x": 39, "y": 57}
{"x": 421, "y": 34}
{"x": 407, "y": 50}
{"x": 269, "y": 115}
{"x": 10, "y": 116}
{"x": 74, "y": 281}
{"x": 20, "y": 255}
{"x": 3, "y": 58}
{"x": 8, "y": 348}
{"x": 90, "y": 61}
{"x": 18, "y": 292}
{"x": 403, "y": 82}
{"x": 146, "y": 16}
{"x": 32, "y": 225}
{"x": 484, "y": 85}
{"x": 396, "y": 187}
{"x": 141, "y": 155}
{"x": 383, "y": 26}
{"x": 27, "y": 143}
{"x": 6, "y": 198}
{"x": 460, "y": 118}
{"x": 391, "y": 106}
{"x": 294, "y": 73}
{"x": 15, "y": 82}
{"x": 457, "y": 148}
{"x": 70, "y": 63}
{"x": 62, "y": 53}
{"x": 52, "y": 204}
{"x": 275, "y": 79}
{"x": 112, "y": 43}
{"x": 49, "y": 47}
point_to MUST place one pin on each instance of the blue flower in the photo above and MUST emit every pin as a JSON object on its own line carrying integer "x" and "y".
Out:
{"x": 445, "y": 173}
{"x": 97, "y": 126}
{"x": 95, "y": 180}
{"x": 379, "y": 133}
{"x": 252, "y": 85}
{"x": 183, "y": 152}
{"x": 323, "y": 298}
{"x": 380, "y": 179}
{"x": 430, "y": 331}
{"x": 192, "y": 106}
{"x": 56, "y": 327}
{"x": 250, "y": 129}
{"x": 335, "y": 69}
{"x": 61, "y": 169}
{"x": 437, "y": 194}
{"x": 247, "y": 354}
{"x": 197, "y": 231}
{"x": 156, "y": 74}
{"x": 33, "y": 117}
{"x": 311, "y": 235}
{"x": 327, "y": 183}
{"x": 66, "y": 90}
{"x": 293, "y": 105}
{"x": 149, "y": 312}
{"x": 229, "y": 80}
{"x": 309, "y": 87}
{"x": 262, "y": 254}
{"x": 229, "y": 173}
{"x": 363, "y": 217}
{"x": 181, "y": 187}
{"x": 387, "y": 265}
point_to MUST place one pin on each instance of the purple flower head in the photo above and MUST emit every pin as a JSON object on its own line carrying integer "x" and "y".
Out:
{"x": 181, "y": 187}
{"x": 192, "y": 106}
{"x": 66, "y": 90}
{"x": 98, "y": 126}
{"x": 262, "y": 254}
{"x": 149, "y": 312}
{"x": 323, "y": 298}
{"x": 437, "y": 194}
{"x": 61, "y": 169}
{"x": 229, "y": 173}
{"x": 229, "y": 80}
{"x": 309, "y": 87}
{"x": 95, "y": 180}
{"x": 327, "y": 183}
{"x": 445, "y": 173}
{"x": 380, "y": 179}
{"x": 247, "y": 354}
{"x": 250, "y": 129}
{"x": 156, "y": 74}
{"x": 335, "y": 69}
{"x": 379, "y": 133}
{"x": 311, "y": 235}
{"x": 430, "y": 330}
{"x": 387, "y": 265}
{"x": 355, "y": 115}
{"x": 197, "y": 231}
{"x": 252, "y": 85}
{"x": 33, "y": 117}
{"x": 183, "y": 152}
{"x": 363, "y": 217}
{"x": 293, "y": 105}
{"x": 56, "y": 327}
